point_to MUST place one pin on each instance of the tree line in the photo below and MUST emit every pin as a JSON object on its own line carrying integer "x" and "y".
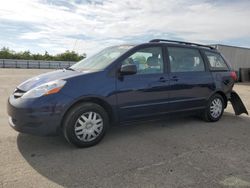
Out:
{"x": 6, "y": 53}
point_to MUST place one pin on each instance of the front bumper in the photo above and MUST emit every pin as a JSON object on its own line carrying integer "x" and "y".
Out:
{"x": 41, "y": 116}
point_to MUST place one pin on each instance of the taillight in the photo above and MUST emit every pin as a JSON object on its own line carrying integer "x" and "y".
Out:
{"x": 233, "y": 75}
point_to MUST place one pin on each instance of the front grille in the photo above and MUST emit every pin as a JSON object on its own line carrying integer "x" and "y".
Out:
{"x": 18, "y": 93}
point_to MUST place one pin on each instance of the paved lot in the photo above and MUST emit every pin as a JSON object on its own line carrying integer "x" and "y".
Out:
{"x": 183, "y": 152}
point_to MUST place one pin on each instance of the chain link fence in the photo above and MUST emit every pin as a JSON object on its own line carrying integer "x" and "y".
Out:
{"x": 34, "y": 64}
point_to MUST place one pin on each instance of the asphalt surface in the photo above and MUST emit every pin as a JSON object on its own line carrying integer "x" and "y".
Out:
{"x": 176, "y": 152}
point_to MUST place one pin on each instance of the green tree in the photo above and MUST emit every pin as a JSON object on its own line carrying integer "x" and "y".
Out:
{"x": 6, "y": 53}
{"x": 47, "y": 57}
{"x": 69, "y": 56}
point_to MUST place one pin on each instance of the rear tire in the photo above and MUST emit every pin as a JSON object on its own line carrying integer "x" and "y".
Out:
{"x": 85, "y": 124}
{"x": 214, "y": 109}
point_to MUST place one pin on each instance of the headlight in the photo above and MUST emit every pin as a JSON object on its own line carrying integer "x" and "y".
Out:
{"x": 45, "y": 89}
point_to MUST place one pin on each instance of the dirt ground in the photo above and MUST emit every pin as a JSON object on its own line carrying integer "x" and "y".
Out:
{"x": 177, "y": 152}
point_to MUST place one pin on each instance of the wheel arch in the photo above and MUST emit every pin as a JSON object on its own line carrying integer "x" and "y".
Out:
{"x": 221, "y": 93}
{"x": 107, "y": 107}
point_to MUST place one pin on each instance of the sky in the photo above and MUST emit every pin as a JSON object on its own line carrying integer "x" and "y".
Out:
{"x": 87, "y": 26}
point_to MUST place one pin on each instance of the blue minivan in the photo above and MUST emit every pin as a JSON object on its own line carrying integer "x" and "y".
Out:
{"x": 122, "y": 84}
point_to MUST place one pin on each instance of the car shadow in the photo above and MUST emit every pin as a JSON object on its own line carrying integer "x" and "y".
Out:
{"x": 69, "y": 166}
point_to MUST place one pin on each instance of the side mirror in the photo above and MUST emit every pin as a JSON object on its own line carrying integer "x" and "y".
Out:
{"x": 128, "y": 69}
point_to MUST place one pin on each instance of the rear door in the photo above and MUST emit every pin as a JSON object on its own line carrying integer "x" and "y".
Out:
{"x": 146, "y": 92}
{"x": 190, "y": 81}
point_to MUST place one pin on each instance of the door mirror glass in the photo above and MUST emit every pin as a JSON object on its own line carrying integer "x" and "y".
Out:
{"x": 128, "y": 69}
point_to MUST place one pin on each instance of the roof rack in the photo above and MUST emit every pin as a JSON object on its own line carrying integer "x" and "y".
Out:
{"x": 181, "y": 42}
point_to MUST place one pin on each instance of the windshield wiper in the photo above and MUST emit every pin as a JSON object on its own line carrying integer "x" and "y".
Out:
{"x": 69, "y": 68}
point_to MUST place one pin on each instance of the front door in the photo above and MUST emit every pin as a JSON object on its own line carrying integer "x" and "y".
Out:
{"x": 144, "y": 93}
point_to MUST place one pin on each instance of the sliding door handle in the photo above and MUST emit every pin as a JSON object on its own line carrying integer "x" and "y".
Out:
{"x": 174, "y": 78}
{"x": 162, "y": 79}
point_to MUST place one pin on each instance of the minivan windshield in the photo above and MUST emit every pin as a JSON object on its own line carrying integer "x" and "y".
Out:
{"x": 102, "y": 59}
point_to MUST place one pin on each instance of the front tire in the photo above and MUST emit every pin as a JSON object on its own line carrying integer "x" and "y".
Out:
{"x": 85, "y": 125}
{"x": 214, "y": 109}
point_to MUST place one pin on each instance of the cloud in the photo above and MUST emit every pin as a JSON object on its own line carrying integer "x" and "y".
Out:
{"x": 88, "y": 26}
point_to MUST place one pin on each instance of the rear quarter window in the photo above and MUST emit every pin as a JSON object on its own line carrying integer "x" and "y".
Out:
{"x": 216, "y": 62}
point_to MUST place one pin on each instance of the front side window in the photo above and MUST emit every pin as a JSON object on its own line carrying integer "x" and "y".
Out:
{"x": 185, "y": 60}
{"x": 216, "y": 62}
{"x": 147, "y": 60}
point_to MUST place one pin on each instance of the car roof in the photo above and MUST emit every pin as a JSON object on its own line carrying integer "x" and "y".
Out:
{"x": 171, "y": 43}
{"x": 178, "y": 44}
{"x": 182, "y": 43}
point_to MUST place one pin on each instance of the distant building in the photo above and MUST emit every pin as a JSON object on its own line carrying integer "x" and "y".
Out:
{"x": 238, "y": 57}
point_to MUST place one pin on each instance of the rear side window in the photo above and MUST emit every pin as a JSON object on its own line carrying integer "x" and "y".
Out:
{"x": 216, "y": 62}
{"x": 185, "y": 60}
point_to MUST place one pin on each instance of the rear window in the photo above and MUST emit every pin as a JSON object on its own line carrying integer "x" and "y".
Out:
{"x": 216, "y": 62}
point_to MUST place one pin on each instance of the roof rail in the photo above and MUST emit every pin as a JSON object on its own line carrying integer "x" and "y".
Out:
{"x": 181, "y": 42}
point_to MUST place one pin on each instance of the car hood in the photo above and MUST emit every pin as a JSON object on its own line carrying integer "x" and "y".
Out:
{"x": 47, "y": 77}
